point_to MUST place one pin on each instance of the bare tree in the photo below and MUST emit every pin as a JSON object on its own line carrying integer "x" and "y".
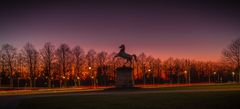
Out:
{"x": 47, "y": 54}
{"x": 2, "y": 65}
{"x": 113, "y": 64}
{"x": 170, "y": 68}
{"x": 102, "y": 68}
{"x": 150, "y": 70}
{"x": 63, "y": 54}
{"x": 19, "y": 66}
{"x": 78, "y": 55}
{"x": 91, "y": 60}
{"x": 9, "y": 54}
{"x": 31, "y": 58}
{"x": 158, "y": 69}
{"x": 102, "y": 58}
{"x": 142, "y": 57}
{"x": 232, "y": 54}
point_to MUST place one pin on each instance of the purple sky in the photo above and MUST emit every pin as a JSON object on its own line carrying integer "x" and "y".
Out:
{"x": 195, "y": 30}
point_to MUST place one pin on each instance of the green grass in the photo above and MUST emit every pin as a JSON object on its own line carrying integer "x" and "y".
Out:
{"x": 200, "y": 100}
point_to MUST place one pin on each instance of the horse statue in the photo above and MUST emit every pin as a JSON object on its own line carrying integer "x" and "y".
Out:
{"x": 125, "y": 55}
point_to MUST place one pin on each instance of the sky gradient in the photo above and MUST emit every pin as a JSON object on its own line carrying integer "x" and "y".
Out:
{"x": 180, "y": 29}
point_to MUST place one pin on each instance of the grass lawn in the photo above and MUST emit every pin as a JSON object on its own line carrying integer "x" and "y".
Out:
{"x": 199, "y": 100}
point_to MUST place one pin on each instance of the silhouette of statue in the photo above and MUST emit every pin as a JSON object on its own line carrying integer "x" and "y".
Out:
{"x": 125, "y": 55}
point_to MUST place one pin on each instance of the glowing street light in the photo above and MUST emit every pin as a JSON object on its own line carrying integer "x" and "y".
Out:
{"x": 185, "y": 72}
{"x": 89, "y": 68}
{"x": 149, "y": 70}
{"x": 214, "y": 73}
{"x": 233, "y": 74}
{"x": 189, "y": 76}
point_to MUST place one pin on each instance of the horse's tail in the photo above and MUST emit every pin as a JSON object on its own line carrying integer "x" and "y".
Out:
{"x": 135, "y": 57}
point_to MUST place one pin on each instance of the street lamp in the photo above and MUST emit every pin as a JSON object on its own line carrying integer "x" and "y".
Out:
{"x": 0, "y": 81}
{"x": 153, "y": 80}
{"x": 185, "y": 72}
{"x": 214, "y": 73}
{"x": 214, "y": 78}
{"x": 233, "y": 74}
{"x": 149, "y": 70}
{"x": 93, "y": 79}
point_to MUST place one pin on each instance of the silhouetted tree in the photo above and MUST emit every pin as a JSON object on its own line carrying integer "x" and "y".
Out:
{"x": 48, "y": 58}
{"x": 158, "y": 69}
{"x": 150, "y": 70}
{"x": 9, "y": 55}
{"x": 142, "y": 59}
{"x": 232, "y": 54}
{"x": 102, "y": 61}
{"x": 91, "y": 63}
{"x": 19, "y": 67}
{"x": 31, "y": 58}
{"x": 64, "y": 58}
{"x": 170, "y": 69}
{"x": 78, "y": 55}
{"x": 2, "y": 65}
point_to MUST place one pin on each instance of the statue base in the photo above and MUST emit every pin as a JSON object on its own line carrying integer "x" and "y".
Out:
{"x": 124, "y": 77}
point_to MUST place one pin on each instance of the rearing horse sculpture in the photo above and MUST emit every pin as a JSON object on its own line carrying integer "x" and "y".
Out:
{"x": 125, "y": 55}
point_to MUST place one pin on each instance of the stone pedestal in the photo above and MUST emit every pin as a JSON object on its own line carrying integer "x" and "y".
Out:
{"x": 124, "y": 77}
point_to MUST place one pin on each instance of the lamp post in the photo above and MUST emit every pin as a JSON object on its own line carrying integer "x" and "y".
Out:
{"x": 149, "y": 70}
{"x": 214, "y": 73}
{"x": 0, "y": 81}
{"x": 238, "y": 75}
{"x": 185, "y": 73}
{"x": 18, "y": 81}
{"x": 92, "y": 76}
{"x": 78, "y": 78}
{"x": 233, "y": 74}
{"x": 189, "y": 77}
{"x": 63, "y": 80}
{"x": 93, "y": 82}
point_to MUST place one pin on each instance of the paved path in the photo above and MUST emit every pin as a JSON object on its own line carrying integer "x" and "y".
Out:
{"x": 11, "y": 102}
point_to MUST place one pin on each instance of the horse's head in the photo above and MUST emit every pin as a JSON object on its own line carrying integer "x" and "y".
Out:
{"x": 122, "y": 46}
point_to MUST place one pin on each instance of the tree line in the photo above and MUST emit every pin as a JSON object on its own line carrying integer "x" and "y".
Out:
{"x": 64, "y": 66}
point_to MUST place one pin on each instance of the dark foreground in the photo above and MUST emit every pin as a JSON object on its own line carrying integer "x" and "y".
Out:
{"x": 187, "y": 97}
{"x": 199, "y": 100}
{"x": 189, "y": 100}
